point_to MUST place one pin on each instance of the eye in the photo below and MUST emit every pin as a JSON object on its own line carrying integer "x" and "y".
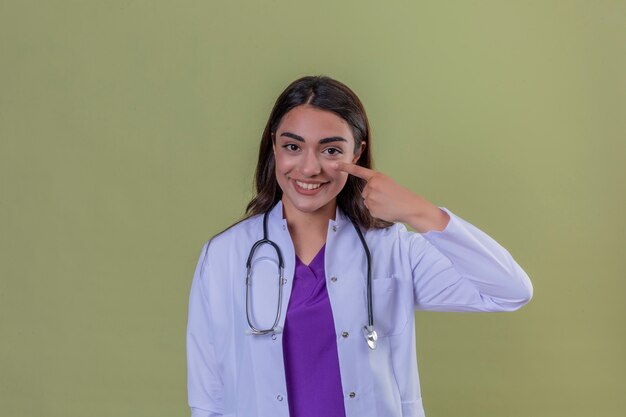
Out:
{"x": 287, "y": 146}
{"x": 335, "y": 151}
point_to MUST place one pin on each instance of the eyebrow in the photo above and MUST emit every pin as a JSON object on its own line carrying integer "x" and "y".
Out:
{"x": 322, "y": 141}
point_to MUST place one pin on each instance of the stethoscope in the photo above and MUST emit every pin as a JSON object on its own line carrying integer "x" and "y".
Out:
{"x": 368, "y": 331}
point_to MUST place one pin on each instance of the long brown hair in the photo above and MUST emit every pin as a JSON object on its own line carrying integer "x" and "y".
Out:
{"x": 328, "y": 94}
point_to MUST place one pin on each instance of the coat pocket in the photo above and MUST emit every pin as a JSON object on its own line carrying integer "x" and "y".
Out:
{"x": 390, "y": 315}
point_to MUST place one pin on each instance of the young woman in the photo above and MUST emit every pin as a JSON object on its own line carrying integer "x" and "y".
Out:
{"x": 306, "y": 306}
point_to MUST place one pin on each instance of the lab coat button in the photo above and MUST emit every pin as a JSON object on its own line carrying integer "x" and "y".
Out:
{"x": 345, "y": 334}
{"x": 273, "y": 336}
{"x": 334, "y": 228}
{"x": 333, "y": 279}
{"x": 352, "y": 394}
{"x": 279, "y": 397}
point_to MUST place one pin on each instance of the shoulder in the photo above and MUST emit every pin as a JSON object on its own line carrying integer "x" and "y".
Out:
{"x": 236, "y": 233}
{"x": 397, "y": 231}
{"x": 396, "y": 238}
{"x": 226, "y": 243}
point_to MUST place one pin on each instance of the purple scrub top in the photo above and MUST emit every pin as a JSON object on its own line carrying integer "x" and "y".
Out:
{"x": 310, "y": 345}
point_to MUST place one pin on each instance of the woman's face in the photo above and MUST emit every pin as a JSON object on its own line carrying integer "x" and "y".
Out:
{"x": 307, "y": 141}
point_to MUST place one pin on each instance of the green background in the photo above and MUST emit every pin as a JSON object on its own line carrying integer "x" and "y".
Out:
{"x": 128, "y": 136}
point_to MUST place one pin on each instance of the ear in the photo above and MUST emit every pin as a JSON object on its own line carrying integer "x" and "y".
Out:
{"x": 358, "y": 155}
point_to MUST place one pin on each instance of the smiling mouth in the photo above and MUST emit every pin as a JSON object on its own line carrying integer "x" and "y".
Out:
{"x": 309, "y": 186}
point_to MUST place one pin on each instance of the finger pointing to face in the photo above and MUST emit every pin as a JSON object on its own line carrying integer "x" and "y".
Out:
{"x": 356, "y": 170}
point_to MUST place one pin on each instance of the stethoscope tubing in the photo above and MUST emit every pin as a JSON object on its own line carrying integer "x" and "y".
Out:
{"x": 368, "y": 331}
{"x": 281, "y": 268}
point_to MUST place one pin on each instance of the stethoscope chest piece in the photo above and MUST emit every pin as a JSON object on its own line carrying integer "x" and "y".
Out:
{"x": 370, "y": 336}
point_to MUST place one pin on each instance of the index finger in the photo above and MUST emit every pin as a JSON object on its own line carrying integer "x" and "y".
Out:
{"x": 356, "y": 170}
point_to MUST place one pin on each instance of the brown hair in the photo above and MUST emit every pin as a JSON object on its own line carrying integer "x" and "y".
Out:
{"x": 331, "y": 95}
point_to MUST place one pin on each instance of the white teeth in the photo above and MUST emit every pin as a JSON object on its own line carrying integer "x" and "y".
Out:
{"x": 308, "y": 186}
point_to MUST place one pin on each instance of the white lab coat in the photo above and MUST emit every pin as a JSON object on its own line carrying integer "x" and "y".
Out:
{"x": 234, "y": 373}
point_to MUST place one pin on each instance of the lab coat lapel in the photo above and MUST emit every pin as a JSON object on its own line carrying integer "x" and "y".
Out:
{"x": 279, "y": 233}
{"x": 345, "y": 260}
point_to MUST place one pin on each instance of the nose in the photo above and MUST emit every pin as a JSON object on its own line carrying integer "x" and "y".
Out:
{"x": 310, "y": 164}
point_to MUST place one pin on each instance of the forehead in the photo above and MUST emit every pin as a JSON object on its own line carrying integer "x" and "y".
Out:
{"x": 313, "y": 124}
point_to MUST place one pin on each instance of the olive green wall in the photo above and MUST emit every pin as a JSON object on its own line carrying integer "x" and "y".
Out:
{"x": 128, "y": 136}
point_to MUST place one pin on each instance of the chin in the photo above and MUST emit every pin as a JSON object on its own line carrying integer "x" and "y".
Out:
{"x": 308, "y": 208}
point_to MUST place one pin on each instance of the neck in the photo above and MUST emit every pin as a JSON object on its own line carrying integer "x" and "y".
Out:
{"x": 313, "y": 223}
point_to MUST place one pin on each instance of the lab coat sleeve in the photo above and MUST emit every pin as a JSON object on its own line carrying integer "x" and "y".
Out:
{"x": 204, "y": 384}
{"x": 463, "y": 269}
